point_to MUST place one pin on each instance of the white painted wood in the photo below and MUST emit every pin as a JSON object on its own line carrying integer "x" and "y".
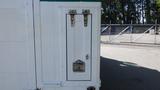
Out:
{"x": 17, "y": 66}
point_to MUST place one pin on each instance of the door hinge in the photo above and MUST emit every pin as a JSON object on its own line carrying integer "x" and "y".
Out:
{"x": 72, "y": 14}
{"x": 85, "y": 14}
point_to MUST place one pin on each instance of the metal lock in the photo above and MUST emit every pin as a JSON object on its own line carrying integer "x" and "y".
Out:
{"x": 79, "y": 66}
{"x": 85, "y": 15}
{"x": 72, "y": 14}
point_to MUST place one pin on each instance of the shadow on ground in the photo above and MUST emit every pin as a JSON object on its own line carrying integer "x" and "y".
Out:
{"x": 116, "y": 75}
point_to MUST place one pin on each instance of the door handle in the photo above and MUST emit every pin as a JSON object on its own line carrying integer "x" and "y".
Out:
{"x": 87, "y": 57}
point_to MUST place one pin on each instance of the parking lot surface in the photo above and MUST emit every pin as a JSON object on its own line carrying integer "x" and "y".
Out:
{"x": 130, "y": 67}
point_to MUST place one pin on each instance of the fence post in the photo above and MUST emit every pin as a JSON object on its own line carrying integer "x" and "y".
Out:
{"x": 131, "y": 31}
{"x": 109, "y": 31}
{"x": 109, "y": 28}
{"x": 155, "y": 32}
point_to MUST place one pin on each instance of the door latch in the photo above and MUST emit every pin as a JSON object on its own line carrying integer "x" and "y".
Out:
{"x": 85, "y": 15}
{"x": 72, "y": 14}
{"x": 87, "y": 57}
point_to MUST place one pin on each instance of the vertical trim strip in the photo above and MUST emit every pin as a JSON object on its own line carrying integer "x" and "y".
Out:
{"x": 34, "y": 35}
{"x": 91, "y": 50}
{"x": 66, "y": 51}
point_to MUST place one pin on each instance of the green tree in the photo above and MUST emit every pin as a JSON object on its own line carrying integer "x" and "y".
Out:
{"x": 148, "y": 11}
{"x": 158, "y": 10}
{"x": 125, "y": 11}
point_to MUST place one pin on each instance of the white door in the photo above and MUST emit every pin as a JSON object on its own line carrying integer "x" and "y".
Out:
{"x": 64, "y": 46}
{"x": 79, "y": 45}
{"x": 17, "y": 67}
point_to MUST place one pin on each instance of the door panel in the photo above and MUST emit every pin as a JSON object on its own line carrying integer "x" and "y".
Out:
{"x": 78, "y": 48}
{"x": 50, "y": 65}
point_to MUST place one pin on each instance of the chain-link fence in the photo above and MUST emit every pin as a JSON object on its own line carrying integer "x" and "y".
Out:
{"x": 131, "y": 34}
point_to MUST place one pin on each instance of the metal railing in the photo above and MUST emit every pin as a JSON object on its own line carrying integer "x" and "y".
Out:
{"x": 131, "y": 34}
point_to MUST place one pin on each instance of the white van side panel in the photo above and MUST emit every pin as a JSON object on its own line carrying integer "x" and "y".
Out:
{"x": 17, "y": 60}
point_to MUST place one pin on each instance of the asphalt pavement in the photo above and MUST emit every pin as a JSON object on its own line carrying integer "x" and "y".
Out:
{"x": 130, "y": 67}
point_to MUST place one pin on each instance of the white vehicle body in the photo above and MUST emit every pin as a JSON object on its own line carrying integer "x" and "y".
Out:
{"x": 45, "y": 46}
